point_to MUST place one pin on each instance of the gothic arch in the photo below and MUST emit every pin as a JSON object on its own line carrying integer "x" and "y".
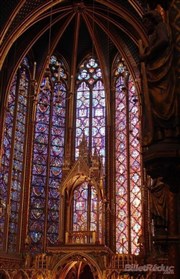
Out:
{"x": 5, "y": 274}
{"x": 74, "y": 257}
{"x": 77, "y": 180}
{"x": 20, "y": 275}
{"x": 39, "y": 275}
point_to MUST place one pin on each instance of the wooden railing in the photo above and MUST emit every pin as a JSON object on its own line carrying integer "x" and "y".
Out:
{"x": 81, "y": 237}
{"x": 119, "y": 261}
{"x": 42, "y": 261}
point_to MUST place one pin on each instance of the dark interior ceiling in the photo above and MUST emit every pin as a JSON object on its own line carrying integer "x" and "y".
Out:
{"x": 71, "y": 28}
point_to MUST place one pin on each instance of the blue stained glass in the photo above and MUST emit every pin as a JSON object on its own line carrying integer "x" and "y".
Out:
{"x": 83, "y": 113}
{"x": 38, "y": 191}
{"x": 58, "y": 121}
{"x": 35, "y": 236}
{"x": 41, "y": 128}
{"x": 42, "y": 118}
{"x": 90, "y": 102}
{"x": 53, "y": 204}
{"x": 54, "y": 215}
{"x": 41, "y": 138}
{"x": 48, "y": 153}
{"x": 15, "y": 196}
{"x": 13, "y": 159}
{"x": 15, "y": 207}
{"x": 57, "y": 141}
{"x": 42, "y": 149}
{"x": 53, "y": 60}
{"x": 54, "y": 193}
{"x": 39, "y": 169}
{"x": 40, "y": 159}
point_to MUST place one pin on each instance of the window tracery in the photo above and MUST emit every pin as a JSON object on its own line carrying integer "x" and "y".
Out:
{"x": 48, "y": 155}
{"x": 90, "y": 107}
{"x": 13, "y": 157}
{"x": 128, "y": 162}
{"x": 87, "y": 213}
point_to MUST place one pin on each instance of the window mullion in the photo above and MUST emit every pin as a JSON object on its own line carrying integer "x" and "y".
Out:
{"x": 8, "y": 206}
{"x": 26, "y": 91}
{"x": 90, "y": 119}
{"x": 48, "y": 169}
{"x": 89, "y": 211}
{"x": 128, "y": 165}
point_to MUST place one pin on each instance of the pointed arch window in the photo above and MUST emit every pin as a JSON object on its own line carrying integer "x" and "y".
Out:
{"x": 13, "y": 158}
{"x": 90, "y": 107}
{"x": 85, "y": 197}
{"x": 128, "y": 162}
{"x": 90, "y": 122}
{"x": 48, "y": 155}
{"x": 87, "y": 214}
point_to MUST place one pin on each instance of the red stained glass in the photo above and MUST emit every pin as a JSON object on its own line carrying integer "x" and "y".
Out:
{"x": 87, "y": 210}
{"x": 128, "y": 166}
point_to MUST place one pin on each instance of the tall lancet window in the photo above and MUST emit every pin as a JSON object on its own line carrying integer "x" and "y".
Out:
{"x": 87, "y": 213}
{"x": 90, "y": 107}
{"x": 90, "y": 122}
{"x": 48, "y": 154}
{"x": 13, "y": 160}
{"x": 128, "y": 162}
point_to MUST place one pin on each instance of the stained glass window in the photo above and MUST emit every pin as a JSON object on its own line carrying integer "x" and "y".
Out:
{"x": 128, "y": 163}
{"x": 90, "y": 107}
{"x": 90, "y": 121}
{"x": 11, "y": 177}
{"x": 87, "y": 207}
{"x": 48, "y": 154}
{"x": 80, "y": 208}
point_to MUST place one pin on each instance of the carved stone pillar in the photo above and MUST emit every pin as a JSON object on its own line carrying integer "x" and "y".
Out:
{"x": 62, "y": 220}
{"x": 173, "y": 259}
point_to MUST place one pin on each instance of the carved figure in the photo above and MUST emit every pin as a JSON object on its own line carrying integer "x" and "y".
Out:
{"x": 160, "y": 79}
{"x": 158, "y": 198}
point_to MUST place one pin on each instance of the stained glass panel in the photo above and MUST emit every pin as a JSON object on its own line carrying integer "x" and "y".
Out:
{"x": 90, "y": 121}
{"x": 87, "y": 210}
{"x": 122, "y": 225}
{"x": 11, "y": 177}
{"x": 135, "y": 166}
{"x": 90, "y": 108}
{"x": 48, "y": 156}
{"x": 128, "y": 164}
{"x": 6, "y": 155}
{"x": 80, "y": 206}
{"x": 82, "y": 113}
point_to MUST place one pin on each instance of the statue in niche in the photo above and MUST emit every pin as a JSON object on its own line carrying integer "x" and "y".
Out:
{"x": 160, "y": 108}
{"x": 158, "y": 204}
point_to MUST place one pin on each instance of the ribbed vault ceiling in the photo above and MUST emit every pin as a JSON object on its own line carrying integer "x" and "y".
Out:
{"x": 72, "y": 29}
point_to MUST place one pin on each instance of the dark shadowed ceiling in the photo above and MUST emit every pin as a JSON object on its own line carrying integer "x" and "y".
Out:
{"x": 71, "y": 28}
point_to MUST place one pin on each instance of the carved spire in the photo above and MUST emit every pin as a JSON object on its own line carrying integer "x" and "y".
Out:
{"x": 83, "y": 148}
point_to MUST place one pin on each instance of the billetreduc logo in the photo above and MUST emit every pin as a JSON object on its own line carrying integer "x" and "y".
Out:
{"x": 165, "y": 269}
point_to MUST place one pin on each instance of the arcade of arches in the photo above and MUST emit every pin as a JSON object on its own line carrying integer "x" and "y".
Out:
{"x": 89, "y": 139}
